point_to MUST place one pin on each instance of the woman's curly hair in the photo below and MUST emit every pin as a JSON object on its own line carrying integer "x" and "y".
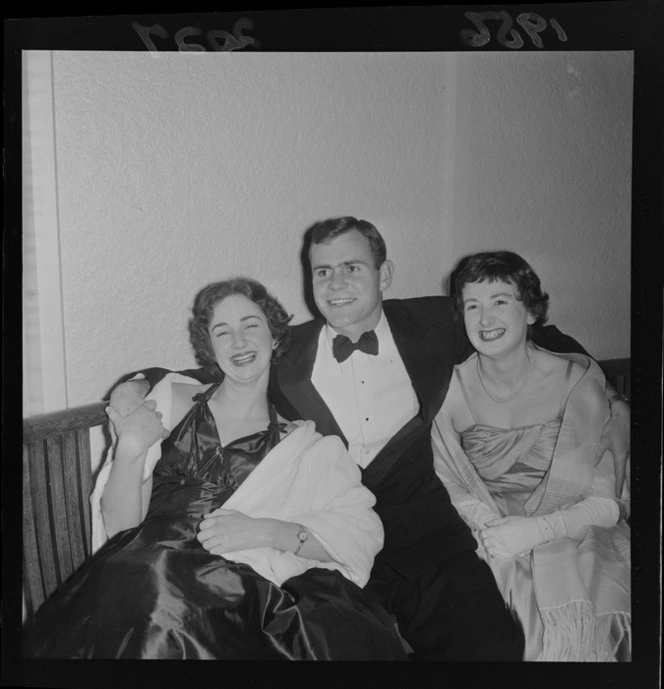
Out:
{"x": 208, "y": 298}
{"x": 503, "y": 266}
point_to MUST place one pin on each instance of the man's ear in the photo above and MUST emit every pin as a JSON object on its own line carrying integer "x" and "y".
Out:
{"x": 530, "y": 318}
{"x": 386, "y": 272}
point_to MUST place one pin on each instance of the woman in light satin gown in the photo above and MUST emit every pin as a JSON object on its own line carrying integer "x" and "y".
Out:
{"x": 516, "y": 445}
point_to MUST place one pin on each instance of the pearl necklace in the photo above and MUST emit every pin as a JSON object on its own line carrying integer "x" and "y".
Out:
{"x": 513, "y": 395}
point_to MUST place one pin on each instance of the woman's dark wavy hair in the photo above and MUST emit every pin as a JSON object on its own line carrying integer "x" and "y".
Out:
{"x": 325, "y": 231}
{"x": 504, "y": 266}
{"x": 208, "y": 298}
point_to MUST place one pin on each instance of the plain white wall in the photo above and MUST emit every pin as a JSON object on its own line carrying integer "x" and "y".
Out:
{"x": 547, "y": 173}
{"x": 172, "y": 170}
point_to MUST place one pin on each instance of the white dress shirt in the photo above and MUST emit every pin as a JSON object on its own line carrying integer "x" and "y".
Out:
{"x": 371, "y": 397}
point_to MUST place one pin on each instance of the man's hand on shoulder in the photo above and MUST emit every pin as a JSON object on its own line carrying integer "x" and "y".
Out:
{"x": 129, "y": 395}
{"x": 615, "y": 438}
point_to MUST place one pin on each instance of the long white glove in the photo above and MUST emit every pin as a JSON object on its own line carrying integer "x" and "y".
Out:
{"x": 510, "y": 536}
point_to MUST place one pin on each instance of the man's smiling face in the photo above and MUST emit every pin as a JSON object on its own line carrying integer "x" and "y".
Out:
{"x": 347, "y": 286}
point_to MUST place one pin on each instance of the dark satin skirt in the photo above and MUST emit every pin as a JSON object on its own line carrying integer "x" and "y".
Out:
{"x": 154, "y": 592}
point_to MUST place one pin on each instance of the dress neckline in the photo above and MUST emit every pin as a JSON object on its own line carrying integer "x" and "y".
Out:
{"x": 201, "y": 400}
{"x": 485, "y": 426}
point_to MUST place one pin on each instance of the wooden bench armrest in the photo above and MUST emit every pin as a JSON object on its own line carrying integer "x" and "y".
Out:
{"x": 57, "y": 483}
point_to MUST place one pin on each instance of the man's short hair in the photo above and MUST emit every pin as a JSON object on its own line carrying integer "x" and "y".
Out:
{"x": 325, "y": 231}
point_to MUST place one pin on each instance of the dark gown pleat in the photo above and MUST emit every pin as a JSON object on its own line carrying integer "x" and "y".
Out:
{"x": 154, "y": 592}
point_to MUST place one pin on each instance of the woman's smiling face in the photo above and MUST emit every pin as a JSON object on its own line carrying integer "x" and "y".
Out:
{"x": 241, "y": 339}
{"x": 496, "y": 319}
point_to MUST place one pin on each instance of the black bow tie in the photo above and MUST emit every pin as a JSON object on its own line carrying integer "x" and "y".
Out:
{"x": 342, "y": 347}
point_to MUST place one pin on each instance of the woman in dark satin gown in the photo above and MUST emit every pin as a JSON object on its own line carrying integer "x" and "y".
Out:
{"x": 242, "y": 537}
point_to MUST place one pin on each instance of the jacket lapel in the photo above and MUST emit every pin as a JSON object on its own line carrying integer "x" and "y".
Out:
{"x": 293, "y": 374}
{"x": 423, "y": 353}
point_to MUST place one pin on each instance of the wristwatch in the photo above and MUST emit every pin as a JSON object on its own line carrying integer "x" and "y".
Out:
{"x": 302, "y": 536}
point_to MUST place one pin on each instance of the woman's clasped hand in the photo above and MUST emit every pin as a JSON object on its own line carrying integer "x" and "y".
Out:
{"x": 510, "y": 536}
{"x": 222, "y": 531}
{"x": 141, "y": 428}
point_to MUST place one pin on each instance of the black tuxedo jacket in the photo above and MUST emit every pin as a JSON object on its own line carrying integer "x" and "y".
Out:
{"x": 421, "y": 525}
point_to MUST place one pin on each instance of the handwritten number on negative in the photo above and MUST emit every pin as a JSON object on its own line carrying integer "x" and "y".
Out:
{"x": 507, "y": 36}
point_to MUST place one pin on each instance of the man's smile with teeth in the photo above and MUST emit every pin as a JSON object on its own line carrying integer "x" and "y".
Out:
{"x": 340, "y": 302}
{"x": 492, "y": 334}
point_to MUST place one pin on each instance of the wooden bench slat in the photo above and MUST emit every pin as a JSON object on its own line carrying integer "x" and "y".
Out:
{"x": 57, "y": 508}
{"x": 75, "y": 501}
{"x": 86, "y": 486}
{"x": 32, "y": 574}
{"x": 41, "y": 516}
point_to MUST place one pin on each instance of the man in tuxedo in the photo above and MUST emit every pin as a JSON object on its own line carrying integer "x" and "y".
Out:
{"x": 376, "y": 373}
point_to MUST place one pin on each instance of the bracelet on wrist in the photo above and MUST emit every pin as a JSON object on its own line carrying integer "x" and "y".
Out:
{"x": 545, "y": 528}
